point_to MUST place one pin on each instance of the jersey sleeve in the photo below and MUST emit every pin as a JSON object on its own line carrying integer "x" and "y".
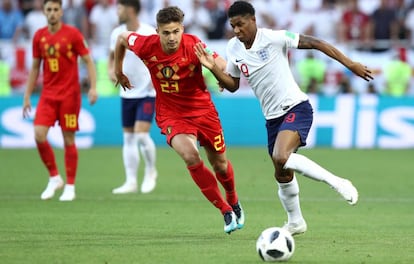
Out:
{"x": 35, "y": 45}
{"x": 133, "y": 44}
{"x": 113, "y": 38}
{"x": 231, "y": 66}
{"x": 290, "y": 39}
{"x": 80, "y": 44}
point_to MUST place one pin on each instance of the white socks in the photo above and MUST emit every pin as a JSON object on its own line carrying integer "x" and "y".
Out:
{"x": 147, "y": 147}
{"x": 310, "y": 169}
{"x": 289, "y": 192}
{"x": 289, "y": 197}
{"x": 130, "y": 156}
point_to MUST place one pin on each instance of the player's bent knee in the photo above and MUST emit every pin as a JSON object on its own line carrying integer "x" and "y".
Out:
{"x": 279, "y": 160}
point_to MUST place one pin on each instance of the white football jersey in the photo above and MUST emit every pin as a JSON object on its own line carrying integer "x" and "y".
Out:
{"x": 133, "y": 67}
{"x": 266, "y": 67}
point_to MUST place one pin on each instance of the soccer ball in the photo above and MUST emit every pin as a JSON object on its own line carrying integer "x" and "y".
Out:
{"x": 275, "y": 244}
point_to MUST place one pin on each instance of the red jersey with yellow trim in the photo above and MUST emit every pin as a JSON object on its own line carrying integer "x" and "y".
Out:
{"x": 59, "y": 53}
{"x": 177, "y": 78}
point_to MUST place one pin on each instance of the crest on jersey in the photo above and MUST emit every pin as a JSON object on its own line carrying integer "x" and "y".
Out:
{"x": 263, "y": 54}
{"x": 167, "y": 72}
{"x": 51, "y": 50}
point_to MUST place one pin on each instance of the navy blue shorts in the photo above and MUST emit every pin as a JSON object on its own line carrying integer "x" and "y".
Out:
{"x": 137, "y": 109}
{"x": 299, "y": 118}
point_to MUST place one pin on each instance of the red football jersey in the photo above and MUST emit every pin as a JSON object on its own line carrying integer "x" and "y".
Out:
{"x": 59, "y": 53}
{"x": 177, "y": 78}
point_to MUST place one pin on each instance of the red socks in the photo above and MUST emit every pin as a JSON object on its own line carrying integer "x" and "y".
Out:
{"x": 48, "y": 157}
{"x": 71, "y": 160}
{"x": 207, "y": 183}
{"x": 71, "y": 163}
{"x": 227, "y": 181}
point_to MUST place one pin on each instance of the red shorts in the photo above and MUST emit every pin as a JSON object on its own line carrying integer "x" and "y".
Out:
{"x": 207, "y": 128}
{"x": 66, "y": 112}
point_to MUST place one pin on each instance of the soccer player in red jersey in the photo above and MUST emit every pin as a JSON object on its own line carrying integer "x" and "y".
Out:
{"x": 184, "y": 110}
{"x": 58, "y": 46}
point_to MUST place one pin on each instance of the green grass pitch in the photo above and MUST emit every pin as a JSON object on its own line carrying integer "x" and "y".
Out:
{"x": 175, "y": 224}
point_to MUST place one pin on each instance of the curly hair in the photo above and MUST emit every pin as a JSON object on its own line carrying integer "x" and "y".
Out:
{"x": 240, "y": 8}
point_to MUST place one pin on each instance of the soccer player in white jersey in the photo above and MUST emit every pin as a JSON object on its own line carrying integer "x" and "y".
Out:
{"x": 138, "y": 104}
{"x": 261, "y": 55}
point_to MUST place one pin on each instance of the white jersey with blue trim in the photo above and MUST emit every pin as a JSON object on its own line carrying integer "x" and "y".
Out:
{"x": 266, "y": 67}
{"x": 133, "y": 67}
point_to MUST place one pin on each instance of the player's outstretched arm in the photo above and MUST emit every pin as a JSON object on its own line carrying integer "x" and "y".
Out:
{"x": 119, "y": 55}
{"x": 310, "y": 42}
{"x": 216, "y": 66}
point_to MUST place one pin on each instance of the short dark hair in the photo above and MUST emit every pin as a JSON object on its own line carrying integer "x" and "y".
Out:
{"x": 170, "y": 14}
{"x": 136, "y": 4}
{"x": 241, "y": 8}
{"x": 53, "y": 1}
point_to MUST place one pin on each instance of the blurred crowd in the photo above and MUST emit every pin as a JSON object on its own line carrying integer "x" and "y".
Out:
{"x": 373, "y": 28}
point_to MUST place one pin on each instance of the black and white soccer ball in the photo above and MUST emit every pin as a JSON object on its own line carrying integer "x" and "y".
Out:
{"x": 275, "y": 244}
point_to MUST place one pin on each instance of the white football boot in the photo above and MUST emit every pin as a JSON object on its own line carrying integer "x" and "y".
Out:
{"x": 55, "y": 183}
{"x": 68, "y": 193}
{"x": 347, "y": 191}
{"x": 296, "y": 228}
{"x": 149, "y": 182}
{"x": 127, "y": 187}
